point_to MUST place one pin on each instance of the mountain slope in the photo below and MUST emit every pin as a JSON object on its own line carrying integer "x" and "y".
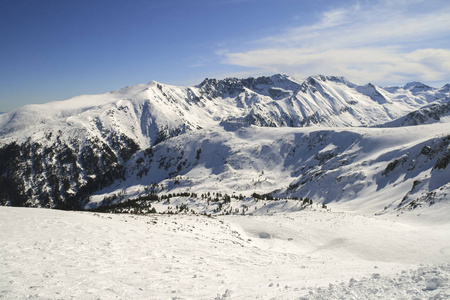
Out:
{"x": 368, "y": 167}
{"x": 435, "y": 112}
{"x": 65, "y": 154}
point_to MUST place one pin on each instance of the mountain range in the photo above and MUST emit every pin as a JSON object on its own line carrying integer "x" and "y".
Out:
{"x": 374, "y": 149}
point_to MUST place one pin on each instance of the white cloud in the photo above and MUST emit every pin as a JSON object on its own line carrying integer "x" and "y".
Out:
{"x": 387, "y": 42}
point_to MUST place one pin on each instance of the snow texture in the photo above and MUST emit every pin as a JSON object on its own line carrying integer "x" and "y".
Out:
{"x": 51, "y": 254}
{"x": 424, "y": 283}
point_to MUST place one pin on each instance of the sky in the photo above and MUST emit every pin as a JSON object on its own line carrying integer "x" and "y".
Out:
{"x": 57, "y": 49}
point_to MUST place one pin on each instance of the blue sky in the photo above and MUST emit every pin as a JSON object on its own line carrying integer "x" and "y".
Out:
{"x": 57, "y": 49}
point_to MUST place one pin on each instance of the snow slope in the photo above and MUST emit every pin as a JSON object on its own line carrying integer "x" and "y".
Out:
{"x": 370, "y": 170}
{"x": 51, "y": 254}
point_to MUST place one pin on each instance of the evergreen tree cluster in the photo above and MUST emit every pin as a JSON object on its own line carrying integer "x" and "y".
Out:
{"x": 220, "y": 202}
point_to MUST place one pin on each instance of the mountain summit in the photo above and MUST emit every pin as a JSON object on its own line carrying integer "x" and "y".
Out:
{"x": 417, "y": 86}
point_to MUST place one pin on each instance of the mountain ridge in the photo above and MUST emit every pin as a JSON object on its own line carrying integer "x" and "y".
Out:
{"x": 64, "y": 154}
{"x": 277, "y": 101}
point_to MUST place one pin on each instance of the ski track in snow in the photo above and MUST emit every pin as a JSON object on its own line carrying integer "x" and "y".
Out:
{"x": 50, "y": 254}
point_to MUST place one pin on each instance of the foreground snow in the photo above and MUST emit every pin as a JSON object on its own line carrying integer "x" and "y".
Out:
{"x": 423, "y": 283}
{"x": 49, "y": 254}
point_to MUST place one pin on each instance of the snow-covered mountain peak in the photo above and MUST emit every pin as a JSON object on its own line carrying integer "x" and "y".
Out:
{"x": 313, "y": 80}
{"x": 260, "y": 85}
{"x": 134, "y": 89}
{"x": 39, "y": 114}
{"x": 446, "y": 88}
{"x": 374, "y": 93}
{"x": 417, "y": 86}
{"x": 218, "y": 88}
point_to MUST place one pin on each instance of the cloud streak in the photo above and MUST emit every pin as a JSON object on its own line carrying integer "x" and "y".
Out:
{"x": 386, "y": 42}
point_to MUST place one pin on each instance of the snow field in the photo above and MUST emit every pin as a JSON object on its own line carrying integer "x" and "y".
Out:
{"x": 50, "y": 254}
